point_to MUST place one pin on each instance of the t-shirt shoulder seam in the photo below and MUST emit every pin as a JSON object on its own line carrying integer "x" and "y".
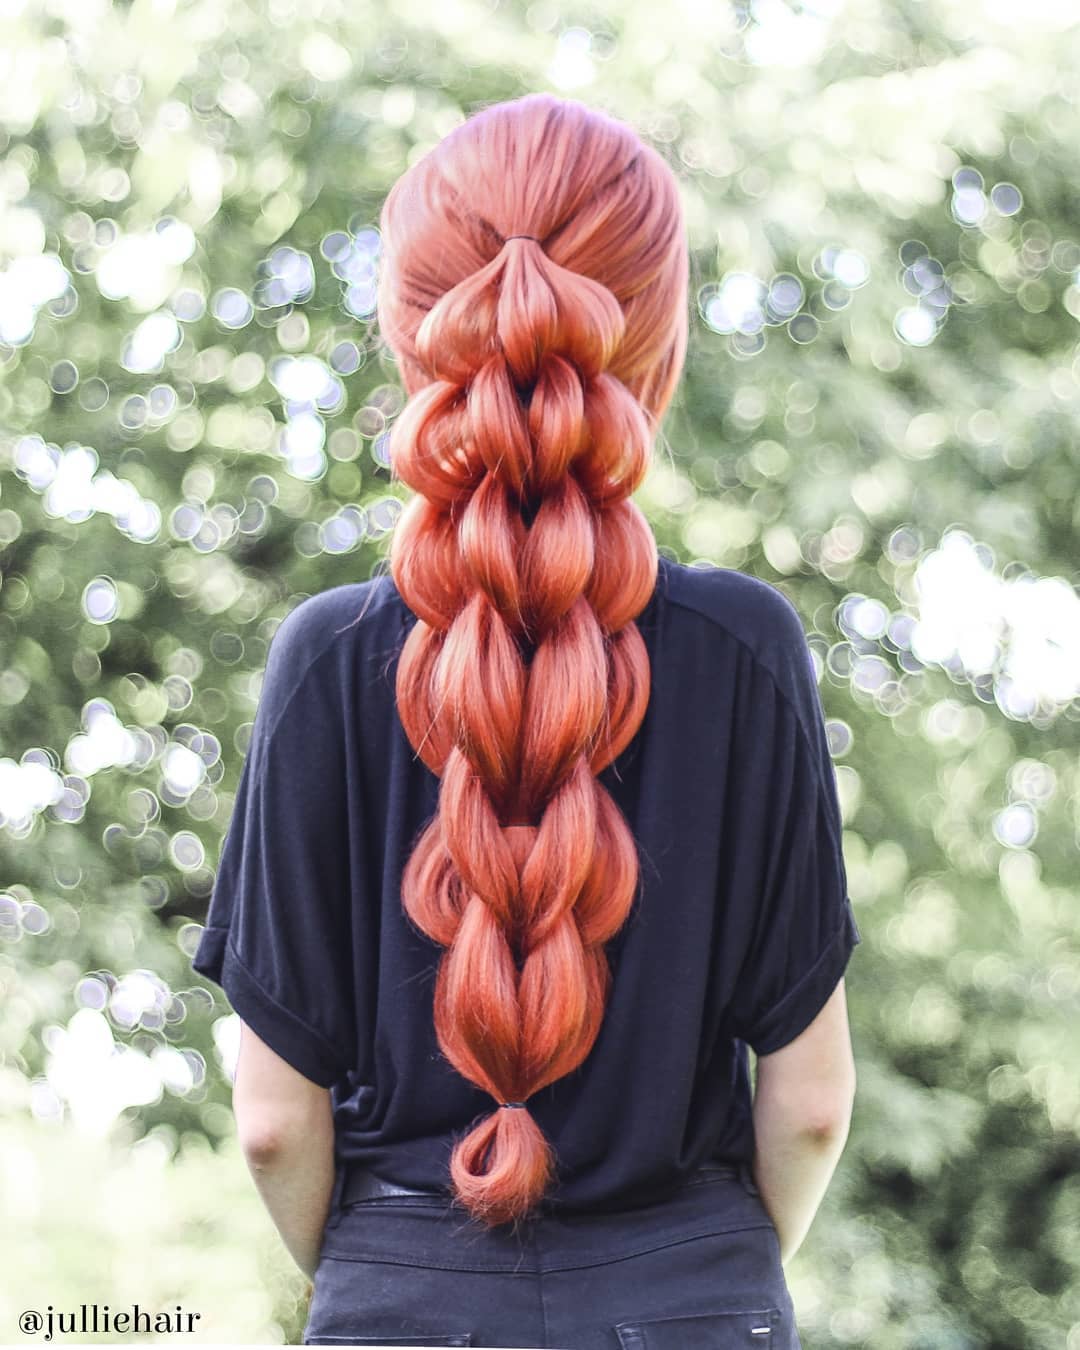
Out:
{"x": 808, "y": 745}
{"x": 377, "y": 597}
{"x": 755, "y": 656}
{"x": 687, "y": 602}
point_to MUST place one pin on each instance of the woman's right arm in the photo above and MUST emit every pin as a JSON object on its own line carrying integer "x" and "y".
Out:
{"x": 803, "y": 1098}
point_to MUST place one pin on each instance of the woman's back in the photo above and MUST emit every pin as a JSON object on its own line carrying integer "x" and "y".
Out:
{"x": 539, "y": 831}
{"x": 739, "y": 932}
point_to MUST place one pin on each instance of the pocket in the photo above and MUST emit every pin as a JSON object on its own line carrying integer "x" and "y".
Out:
{"x": 343, "y": 1217}
{"x": 397, "y": 1202}
{"x": 706, "y": 1331}
{"x": 392, "y": 1340}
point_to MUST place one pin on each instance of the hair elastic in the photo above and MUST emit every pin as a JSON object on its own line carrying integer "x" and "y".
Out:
{"x": 517, "y": 1104}
{"x": 522, "y": 236}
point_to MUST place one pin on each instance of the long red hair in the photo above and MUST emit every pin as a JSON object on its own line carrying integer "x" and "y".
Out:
{"x": 537, "y": 370}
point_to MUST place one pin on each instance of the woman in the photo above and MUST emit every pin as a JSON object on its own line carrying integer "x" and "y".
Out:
{"x": 539, "y": 832}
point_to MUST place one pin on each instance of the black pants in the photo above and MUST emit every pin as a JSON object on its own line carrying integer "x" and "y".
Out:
{"x": 698, "y": 1271}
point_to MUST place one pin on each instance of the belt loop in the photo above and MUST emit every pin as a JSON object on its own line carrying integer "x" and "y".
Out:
{"x": 747, "y": 1174}
{"x": 333, "y": 1217}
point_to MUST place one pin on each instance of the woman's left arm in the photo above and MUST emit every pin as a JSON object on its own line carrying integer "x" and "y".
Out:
{"x": 286, "y": 1133}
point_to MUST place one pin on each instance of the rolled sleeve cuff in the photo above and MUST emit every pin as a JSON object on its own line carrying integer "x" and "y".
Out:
{"x": 309, "y": 1053}
{"x": 800, "y": 1005}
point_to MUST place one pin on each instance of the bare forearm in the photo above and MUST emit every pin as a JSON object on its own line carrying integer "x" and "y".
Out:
{"x": 792, "y": 1169}
{"x": 285, "y": 1125}
{"x": 295, "y": 1180}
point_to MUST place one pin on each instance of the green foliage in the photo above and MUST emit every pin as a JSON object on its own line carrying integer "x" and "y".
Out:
{"x": 158, "y": 1221}
{"x": 880, "y": 417}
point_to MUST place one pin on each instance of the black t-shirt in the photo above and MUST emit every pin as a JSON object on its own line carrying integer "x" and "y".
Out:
{"x": 740, "y": 931}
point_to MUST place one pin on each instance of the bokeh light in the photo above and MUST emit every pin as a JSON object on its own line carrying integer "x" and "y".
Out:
{"x": 878, "y": 415}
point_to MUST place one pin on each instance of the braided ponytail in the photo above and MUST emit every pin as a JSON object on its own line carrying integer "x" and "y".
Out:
{"x": 533, "y": 288}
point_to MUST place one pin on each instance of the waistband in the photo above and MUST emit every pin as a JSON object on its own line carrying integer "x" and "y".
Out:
{"x": 355, "y": 1184}
{"x": 421, "y": 1228}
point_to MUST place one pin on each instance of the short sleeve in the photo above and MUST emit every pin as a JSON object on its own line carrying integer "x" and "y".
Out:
{"x": 804, "y": 929}
{"x": 278, "y": 932}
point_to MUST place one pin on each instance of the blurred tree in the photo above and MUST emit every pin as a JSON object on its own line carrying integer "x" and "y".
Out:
{"x": 879, "y": 416}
